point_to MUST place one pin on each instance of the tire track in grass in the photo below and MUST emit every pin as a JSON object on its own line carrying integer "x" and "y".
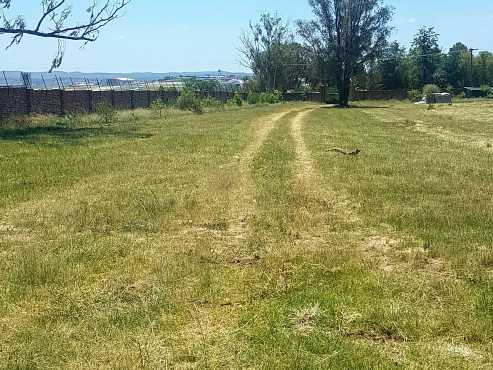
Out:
{"x": 309, "y": 179}
{"x": 376, "y": 246}
{"x": 242, "y": 199}
{"x": 378, "y": 249}
{"x": 214, "y": 317}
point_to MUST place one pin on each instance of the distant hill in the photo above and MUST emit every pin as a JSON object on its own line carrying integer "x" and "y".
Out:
{"x": 14, "y": 77}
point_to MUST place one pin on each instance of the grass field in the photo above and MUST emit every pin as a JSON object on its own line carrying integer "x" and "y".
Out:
{"x": 238, "y": 239}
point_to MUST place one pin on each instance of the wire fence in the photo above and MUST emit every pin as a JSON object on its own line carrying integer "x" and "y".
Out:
{"x": 53, "y": 81}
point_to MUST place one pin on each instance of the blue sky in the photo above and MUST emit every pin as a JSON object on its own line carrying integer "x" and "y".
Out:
{"x": 197, "y": 35}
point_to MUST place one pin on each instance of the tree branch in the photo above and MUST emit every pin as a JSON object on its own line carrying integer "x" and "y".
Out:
{"x": 58, "y": 13}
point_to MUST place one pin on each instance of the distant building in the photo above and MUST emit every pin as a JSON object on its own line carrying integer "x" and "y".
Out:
{"x": 473, "y": 92}
{"x": 233, "y": 82}
{"x": 116, "y": 81}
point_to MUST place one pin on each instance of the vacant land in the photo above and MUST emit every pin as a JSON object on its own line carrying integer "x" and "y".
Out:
{"x": 238, "y": 239}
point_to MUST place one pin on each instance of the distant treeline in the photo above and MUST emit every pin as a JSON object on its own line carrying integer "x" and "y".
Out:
{"x": 286, "y": 59}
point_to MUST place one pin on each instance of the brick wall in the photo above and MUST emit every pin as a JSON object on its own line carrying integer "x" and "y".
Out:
{"x": 45, "y": 101}
{"x": 19, "y": 101}
{"x": 13, "y": 102}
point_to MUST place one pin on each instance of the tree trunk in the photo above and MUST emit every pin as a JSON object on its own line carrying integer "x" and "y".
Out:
{"x": 344, "y": 86}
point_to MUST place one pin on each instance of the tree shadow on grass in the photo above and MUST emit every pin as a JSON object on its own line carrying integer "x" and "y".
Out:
{"x": 356, "y": 106}
{"x": 67, "y": 135}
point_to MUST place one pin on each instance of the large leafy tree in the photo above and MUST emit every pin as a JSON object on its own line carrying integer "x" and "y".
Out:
{"x": 354, "y": 32}
{"x": 393, "y": 67}
{"x": 457, "y": 65}
{"x": 54, "y": 22}
{"x": 483, "y": 68}
{"x": 425, "y": 55}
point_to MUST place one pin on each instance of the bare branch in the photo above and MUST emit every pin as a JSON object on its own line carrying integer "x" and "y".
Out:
{"x": 58, "y": 13}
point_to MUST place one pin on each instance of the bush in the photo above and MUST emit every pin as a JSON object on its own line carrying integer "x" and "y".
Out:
{"x": 271, "y": 97}
{"x": 189, "y": 101}
{"x": 429, "y": 90}
{"x": 235, "y": 100}
{"x": 212, "y": 103}
{"x": 265, "y": 98}
{"x": 253, "y": 98}
{"x": 486, "y": 90}
{"x": 158, "y": 107}
{"x": 106, "y": 112}
{"x": 415, "y": 95}
{"x": 68, "y": 120}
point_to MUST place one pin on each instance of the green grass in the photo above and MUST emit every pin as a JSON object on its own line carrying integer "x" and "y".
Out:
{"x": 120, "y": 245}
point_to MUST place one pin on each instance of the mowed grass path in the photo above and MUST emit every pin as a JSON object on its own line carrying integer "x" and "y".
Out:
{"x": 237, "y": 239}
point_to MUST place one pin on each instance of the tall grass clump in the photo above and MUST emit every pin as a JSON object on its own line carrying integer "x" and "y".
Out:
{"x": 106, "y": 112}
{"x": 213, "y": 103}
{"x": 159, "y": 107}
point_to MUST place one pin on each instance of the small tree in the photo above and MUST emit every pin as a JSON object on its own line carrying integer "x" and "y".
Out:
{"x": 159, "y": 107}
{"x": 426, "y": 56}
{"x": 106, "y": 112}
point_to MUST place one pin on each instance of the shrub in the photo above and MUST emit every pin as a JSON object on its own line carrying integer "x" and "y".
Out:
{"x": 235, "y": 100}
{"x": 212, "y": 103}
{"x": 106, "y": 112}
{"x": 68, "y": 120}
{"x": 414, "y": 95}
{"x": 429, "y": 90}
{"x": 486, "y": 90}
{"x": 271, "y": 97}
{"x": 158, "y": 107}
{"x": 253, "y": 98}
{"x": 189, "y": 101}
{"x": 265, "y": 98}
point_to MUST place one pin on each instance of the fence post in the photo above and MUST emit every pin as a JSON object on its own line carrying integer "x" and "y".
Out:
{"x": 132, "y": 99}
{"x": 90, "y": 102}
{"x": 62, "y": 102}
{"x": 29, "y": 105}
